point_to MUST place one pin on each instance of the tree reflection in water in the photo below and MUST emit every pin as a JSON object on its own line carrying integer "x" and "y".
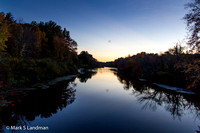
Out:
{"x": 152, "y": 96}
{"x": 86, "y": 74}
{"x": 40, "y": 102}
{"x": 46, "y": 102}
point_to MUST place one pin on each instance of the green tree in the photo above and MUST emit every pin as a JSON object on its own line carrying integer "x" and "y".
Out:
{"x": 4, "y": 33}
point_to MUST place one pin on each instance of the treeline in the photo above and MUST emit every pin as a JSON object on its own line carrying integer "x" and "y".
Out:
{"x": 173, "y": 68}
{"x": 34, "y": 51}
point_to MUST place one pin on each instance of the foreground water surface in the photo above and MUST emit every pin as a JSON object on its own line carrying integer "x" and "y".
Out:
{"x": 101, "y": 101}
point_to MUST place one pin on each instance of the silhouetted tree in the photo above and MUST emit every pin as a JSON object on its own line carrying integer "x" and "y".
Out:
{"x": 193, "y": 22}
{"x": 87, "y": 60}
{"x": 9, "y": 18}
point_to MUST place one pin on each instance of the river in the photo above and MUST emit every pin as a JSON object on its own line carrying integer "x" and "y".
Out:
{"x": 101, "y": 101}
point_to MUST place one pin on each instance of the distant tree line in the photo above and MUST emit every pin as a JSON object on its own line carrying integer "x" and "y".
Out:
{"x": 35, "y": 51}
{"x": 175, "y": 69}
{"x": 175, "y": 66}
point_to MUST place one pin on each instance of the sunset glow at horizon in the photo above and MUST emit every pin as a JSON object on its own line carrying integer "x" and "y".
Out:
{"x": 109, "y": 29}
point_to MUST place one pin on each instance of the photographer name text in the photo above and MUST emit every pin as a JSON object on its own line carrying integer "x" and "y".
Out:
{"x": 25, "y": 127}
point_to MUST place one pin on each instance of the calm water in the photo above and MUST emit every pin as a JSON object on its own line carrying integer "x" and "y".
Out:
{"x": 101, "y": 101}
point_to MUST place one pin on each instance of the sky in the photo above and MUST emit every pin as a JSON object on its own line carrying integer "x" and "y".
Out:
{"x": 109, "y": 29}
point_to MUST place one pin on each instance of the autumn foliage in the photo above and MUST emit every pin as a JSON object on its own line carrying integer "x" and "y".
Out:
{"x": 177, "y": 69}
{"x": 35, "y": 51}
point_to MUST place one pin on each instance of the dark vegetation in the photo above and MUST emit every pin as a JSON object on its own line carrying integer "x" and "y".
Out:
{"x": 86, "y": 60}
{"x": 151, "y": 97}
{"x": 30, "y": 52}
{"x": 19, "y": 108}
{"x": 37, "y": 51}
{"x": 178, "y": 69}
{"x": 175, "y": 66}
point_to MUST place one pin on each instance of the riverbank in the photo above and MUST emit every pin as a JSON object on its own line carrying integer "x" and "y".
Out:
{"x": 19, "y": 72}
{"x": 181, "y": 69}
{"x": 105, "y": 98}
{"x": 9, "y": 93}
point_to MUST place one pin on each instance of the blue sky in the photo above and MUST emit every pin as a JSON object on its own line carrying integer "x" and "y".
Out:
{"x": 109, "y": 29}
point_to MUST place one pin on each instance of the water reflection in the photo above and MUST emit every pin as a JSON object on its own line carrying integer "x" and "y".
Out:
{"x": 86, "y": 74}
{"x": 103, "y": 105}
{"x": 152, "y": 97}
{"x": 28, "y": 105}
